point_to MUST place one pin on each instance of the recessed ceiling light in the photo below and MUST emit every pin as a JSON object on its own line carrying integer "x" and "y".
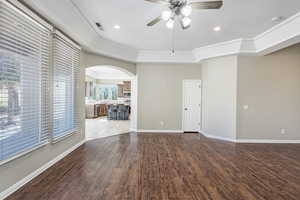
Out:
{"x": 117, "y": 26}
{"x": 217, "y": 28}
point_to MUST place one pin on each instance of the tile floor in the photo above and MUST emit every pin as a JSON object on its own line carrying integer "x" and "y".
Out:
{"x": 101, "y": 127}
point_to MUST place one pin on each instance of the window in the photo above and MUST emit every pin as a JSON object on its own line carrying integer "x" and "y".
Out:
{"x": 24, "y": 79}
{"x": 66, "y": 72}
{"x": 32, "y": 62}
{"x": 107, "y": 92}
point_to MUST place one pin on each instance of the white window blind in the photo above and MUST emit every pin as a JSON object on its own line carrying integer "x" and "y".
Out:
{"x": 24, "y": 81}
{"x": 66, "y": 58}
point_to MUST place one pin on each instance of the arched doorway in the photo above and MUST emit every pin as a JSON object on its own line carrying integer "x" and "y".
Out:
{"x": 110, "y": 101}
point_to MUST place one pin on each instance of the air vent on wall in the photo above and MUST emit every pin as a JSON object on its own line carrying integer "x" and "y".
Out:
{"x": 99, "y": 26}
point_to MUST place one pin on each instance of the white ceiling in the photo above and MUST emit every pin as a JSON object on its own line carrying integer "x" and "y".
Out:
{"x": 106, "y": 72}
{"x": 135, "y": 42}
{"x": 238, "y": 19}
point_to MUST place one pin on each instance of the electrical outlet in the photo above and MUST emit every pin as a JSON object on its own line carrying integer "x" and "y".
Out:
{"x": 282, "y": 131}
{"x": 246, "y": 107}
{"x": 162, "y": 123}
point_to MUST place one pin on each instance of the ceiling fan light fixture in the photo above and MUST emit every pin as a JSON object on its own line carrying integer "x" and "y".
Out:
{"x": 170, "y": 23}
{"x": 217, "y": 28}
{"x": 186, "y": 10}
{"x": 166, "y": 15}
{"x": 186, "y": 21}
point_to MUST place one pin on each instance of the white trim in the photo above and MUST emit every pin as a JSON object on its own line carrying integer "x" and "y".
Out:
{"x": 254, "y": 141}
{"x": 134, "y": 104}
{"x": 146, "y": 56}
{"x": 159, "y": 131}
{"x": 268, "y": 141}
{"x": 278, "y": 26}
{"x": 217, "y": 137}
{"x": 133, "y": 130}
{"x": 37, "y": 172}
{"x": 280, "y": 36}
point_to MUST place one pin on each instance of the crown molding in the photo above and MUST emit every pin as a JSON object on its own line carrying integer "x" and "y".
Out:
{"x": 166, "y": 57}
{"x": 234, "y": 47}
{"x": 280, "y": 36}
{"x": 279, "y": 26}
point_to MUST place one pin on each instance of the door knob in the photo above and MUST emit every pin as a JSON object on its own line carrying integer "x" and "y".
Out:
{"x": 185, "y": 109}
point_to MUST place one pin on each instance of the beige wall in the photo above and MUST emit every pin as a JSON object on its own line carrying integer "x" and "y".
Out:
{"x": 91, "y": 60}
{"x": 219, "y": 78}
{"x": 19, "y": 168}
{"x": 160, "y": 94}
{"x": 270, "y": 85}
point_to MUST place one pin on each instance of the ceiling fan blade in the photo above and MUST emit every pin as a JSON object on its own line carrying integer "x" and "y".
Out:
{"x": 164, "y": 2}
{"x": 207, "y": 5}
{"x": 155, "y": 21}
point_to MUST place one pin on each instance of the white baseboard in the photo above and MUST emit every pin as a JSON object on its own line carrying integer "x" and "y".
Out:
{"x": 266, "y": 141}
{"x": 217, "y": 137}
{"x": 133, "y": 130}
{"x": 37, "y": 172}
{"x": 159, "y": 131}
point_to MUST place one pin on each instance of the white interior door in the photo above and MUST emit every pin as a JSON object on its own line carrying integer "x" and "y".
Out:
{"x": 191, "y": 105}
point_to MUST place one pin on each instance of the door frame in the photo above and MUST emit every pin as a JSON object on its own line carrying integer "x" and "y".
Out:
{"x": 182, "y": 111}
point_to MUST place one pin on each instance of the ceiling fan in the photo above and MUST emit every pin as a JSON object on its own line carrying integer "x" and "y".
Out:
{"x": 181, "y": 9}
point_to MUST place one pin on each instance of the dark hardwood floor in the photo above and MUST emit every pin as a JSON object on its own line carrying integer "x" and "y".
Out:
{"x": 170, "y": 167}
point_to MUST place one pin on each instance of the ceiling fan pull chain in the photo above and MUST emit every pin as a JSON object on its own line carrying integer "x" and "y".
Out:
{"x": 173, "y": 41}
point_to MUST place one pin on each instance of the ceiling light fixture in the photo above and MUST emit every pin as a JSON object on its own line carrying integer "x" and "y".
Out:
{"x": 217, "y": 28}
{"x": 170, "y": 23}
{"x": 117, "y": 26}
{"x": 166, "y": 15}
{"x": 186, "y": 10}
{"x": 186, "y": 21}
{"x": 181, "y": 10}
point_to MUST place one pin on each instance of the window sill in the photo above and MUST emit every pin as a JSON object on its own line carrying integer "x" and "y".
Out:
{"x": 23, "y": 153}
{"x": 64, "y": 136}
